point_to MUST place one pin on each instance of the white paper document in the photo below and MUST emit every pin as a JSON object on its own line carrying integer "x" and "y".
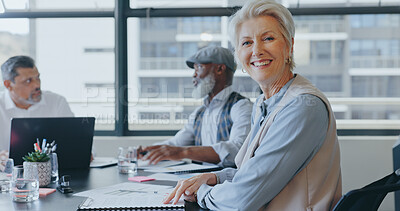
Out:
{"x": 144, "y": 164}
{"x": 99, "y": 162}
{"x": 127, "y": 195}
{"x": 172, "y": 177}
{"x": 186, "y": 168}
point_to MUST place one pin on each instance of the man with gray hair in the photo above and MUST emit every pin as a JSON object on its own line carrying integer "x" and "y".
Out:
{"x": 217, "y": 129}
{"x": 24, "y": 98}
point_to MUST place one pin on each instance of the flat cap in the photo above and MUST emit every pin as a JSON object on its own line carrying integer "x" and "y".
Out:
{"x": 215, "y": 55}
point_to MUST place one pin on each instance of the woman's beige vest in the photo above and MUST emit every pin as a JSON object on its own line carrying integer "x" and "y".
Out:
{"x": 318, "y": 186}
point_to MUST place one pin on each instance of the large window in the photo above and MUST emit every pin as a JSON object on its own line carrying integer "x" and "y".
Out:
{"x": 14, "y": 40}
{"x": 52, "y": 5}
{"x": 157, "y": 50}
{"x": 354, "y": 59}
{"x": 75, "y": 56}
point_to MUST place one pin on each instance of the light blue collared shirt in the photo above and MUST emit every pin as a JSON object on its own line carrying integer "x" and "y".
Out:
{"x": 294, "y": 137}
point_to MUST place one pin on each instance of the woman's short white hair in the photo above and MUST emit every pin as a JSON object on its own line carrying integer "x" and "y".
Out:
{"x": 256, "y": 8}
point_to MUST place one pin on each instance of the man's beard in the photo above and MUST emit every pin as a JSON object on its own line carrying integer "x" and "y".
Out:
{"x": 204, "y": 87}
{"x": 33, "y": 100}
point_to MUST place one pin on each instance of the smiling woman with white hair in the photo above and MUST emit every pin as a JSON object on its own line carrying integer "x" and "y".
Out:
{"x": 290, "y": 159}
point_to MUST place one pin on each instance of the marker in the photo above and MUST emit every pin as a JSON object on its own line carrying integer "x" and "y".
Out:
{"x": 44, "y": 145}
{"x": 53, "y": 149}
{"x": 38, "y": 147}
{"x": 46, "y": 149}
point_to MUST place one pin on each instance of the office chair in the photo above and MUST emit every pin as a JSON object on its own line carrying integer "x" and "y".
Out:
{"x": 370, "y": 197}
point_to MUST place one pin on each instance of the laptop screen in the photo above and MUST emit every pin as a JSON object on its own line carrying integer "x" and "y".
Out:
{"x": 73, "y": 136}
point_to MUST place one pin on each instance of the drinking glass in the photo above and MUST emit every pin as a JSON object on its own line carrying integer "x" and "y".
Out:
{"x": 54, "y": 167}
{"x": 25, "y": 184}
{"x": 127, "y": 160}
{"x": 5, "y": 176}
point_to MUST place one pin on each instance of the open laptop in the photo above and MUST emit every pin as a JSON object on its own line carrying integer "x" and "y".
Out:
{"x": 73, "y": 136}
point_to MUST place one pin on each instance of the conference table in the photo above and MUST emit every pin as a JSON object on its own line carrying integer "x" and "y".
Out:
{"x": 81, "y": 180}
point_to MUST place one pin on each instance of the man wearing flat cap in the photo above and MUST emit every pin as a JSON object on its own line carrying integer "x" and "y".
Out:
{"x": 217, "y": 129}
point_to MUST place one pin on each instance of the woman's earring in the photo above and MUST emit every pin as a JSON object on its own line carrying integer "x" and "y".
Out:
{"x": 289, "y": 60}
{"x": 243, "y": 71}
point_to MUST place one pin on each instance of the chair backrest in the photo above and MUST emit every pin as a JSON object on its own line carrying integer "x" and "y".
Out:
{"x": 396, "y": 165}
{"x": 370, "y": 197}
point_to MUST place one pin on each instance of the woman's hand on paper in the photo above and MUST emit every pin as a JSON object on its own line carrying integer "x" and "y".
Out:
{"x": 188, "y": 187}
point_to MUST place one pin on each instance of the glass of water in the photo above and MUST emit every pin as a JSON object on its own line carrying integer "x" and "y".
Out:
{"x": 25, "y": 184}
{"x": 127, "y": 160}
{"x": 5, "y": 176}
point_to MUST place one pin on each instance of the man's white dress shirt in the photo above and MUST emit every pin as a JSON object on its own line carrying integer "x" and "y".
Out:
{"x": 51, "y": 105}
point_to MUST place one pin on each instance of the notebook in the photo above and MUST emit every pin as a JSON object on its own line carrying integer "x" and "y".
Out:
{"x": 73, "y": 136}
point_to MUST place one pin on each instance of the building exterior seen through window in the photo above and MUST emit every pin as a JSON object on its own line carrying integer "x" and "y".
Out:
{"x": 353, "y": 59}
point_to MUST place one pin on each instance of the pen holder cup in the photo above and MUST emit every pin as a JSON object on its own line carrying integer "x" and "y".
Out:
{"x": 43, "y": 170}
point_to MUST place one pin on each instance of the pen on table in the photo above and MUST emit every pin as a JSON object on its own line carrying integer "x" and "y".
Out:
{"x": 138, "y": 191}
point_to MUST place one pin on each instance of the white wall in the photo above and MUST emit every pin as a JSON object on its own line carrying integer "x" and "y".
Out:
{"x": 107, "y": 146}
{"x": 366, "y": 159}
{"x": 363, "y": 158}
